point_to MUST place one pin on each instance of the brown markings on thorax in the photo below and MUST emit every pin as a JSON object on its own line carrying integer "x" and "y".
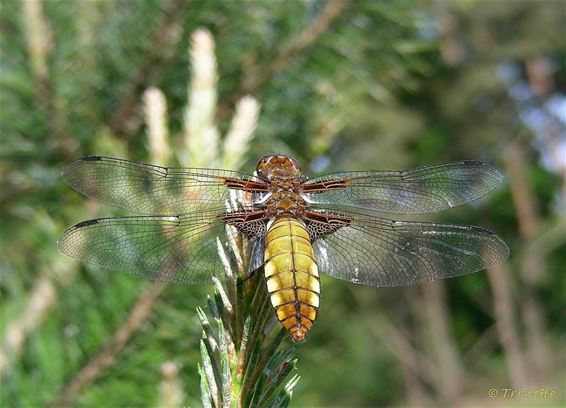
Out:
{"x": 281, "y": 176}
{"x": 245, "y": 184}
{"x": 284, "y": 178}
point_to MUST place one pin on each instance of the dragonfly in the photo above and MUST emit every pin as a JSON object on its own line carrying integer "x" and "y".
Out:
{"x": 339, "y": 224}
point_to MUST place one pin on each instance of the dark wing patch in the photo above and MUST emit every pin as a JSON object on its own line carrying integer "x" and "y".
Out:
{"x": 320, "y": 223}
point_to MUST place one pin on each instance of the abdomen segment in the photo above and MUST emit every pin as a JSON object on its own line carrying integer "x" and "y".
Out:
{"x": 292, "y": 275}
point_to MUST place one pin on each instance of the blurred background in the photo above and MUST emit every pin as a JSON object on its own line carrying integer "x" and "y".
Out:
{"x": 340, "y": 86}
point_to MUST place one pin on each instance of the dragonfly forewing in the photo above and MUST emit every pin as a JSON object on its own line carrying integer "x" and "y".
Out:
{"x": 150, "y": 189}
{"x": 416, "y": 191}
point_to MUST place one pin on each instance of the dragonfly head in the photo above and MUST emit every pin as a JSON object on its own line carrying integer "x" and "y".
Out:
{"x": 274, "y": 166}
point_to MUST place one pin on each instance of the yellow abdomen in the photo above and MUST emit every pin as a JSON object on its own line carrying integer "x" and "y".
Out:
{"x": 292, "y": 275}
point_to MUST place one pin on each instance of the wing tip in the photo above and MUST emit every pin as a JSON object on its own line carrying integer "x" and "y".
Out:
{"x": 69, "y": 169}
{"x": 487, "y": 179}
{"x": 500, "y": 247}
{"x": 61, "y": 241}
{"x": 81, "y": 160}
{"x": 497, "y": 175}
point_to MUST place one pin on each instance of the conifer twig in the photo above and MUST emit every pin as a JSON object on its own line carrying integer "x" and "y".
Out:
{"x": 504, "y": 309}
{"x": 450, "y": 374}
{"x": 302, "y": 40}
{"x": 164, "y": 40}
{"x": 104, "y": 358}
{"x": 40, "y": 302}
{"x": 246, "y": 359}
{"x": 200, "y": 135}
{"x": 155, "y": 108}
{"x": 532, "y": 265}
{"x": 40, "y": 44}
{"x": 38, "y": 39}
{"x": 156, "y": 119}
{"x": 241, "y": 131}
{"x": 296, "y": 45}
{"x": 395, "y": 338}
{"x": 170, "y": 390}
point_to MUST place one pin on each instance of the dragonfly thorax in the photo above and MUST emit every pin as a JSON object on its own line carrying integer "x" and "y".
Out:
{"x": 286, "y": 202}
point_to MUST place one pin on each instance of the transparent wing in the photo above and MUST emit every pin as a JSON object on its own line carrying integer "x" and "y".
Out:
{"x": 150, "y": 189}
{"x": 380, "y": 252}
{"x": 181, "y": 249}
{"x": 416, "y": 191}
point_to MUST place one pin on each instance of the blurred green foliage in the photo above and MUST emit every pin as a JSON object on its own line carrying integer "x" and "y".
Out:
{"x": 385, "y": 85}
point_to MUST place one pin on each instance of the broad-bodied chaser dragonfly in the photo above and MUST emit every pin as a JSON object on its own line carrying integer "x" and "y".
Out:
{"x": 294, "y": 225}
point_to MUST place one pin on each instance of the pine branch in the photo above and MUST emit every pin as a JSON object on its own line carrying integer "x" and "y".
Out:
{"x": 40, "y": 45}
{"x": 41, "y": 301}
{"x": 247, "y": 358}
{"x": 156, "y": 118}
{"x": 532, "y": 265}
{"x": 165, "y": 39}
{"x": 104, "y": 358}
{"x": 301, "y": 41}
{"x": 170, "y": 389}
{"x": 505, "y": 321}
